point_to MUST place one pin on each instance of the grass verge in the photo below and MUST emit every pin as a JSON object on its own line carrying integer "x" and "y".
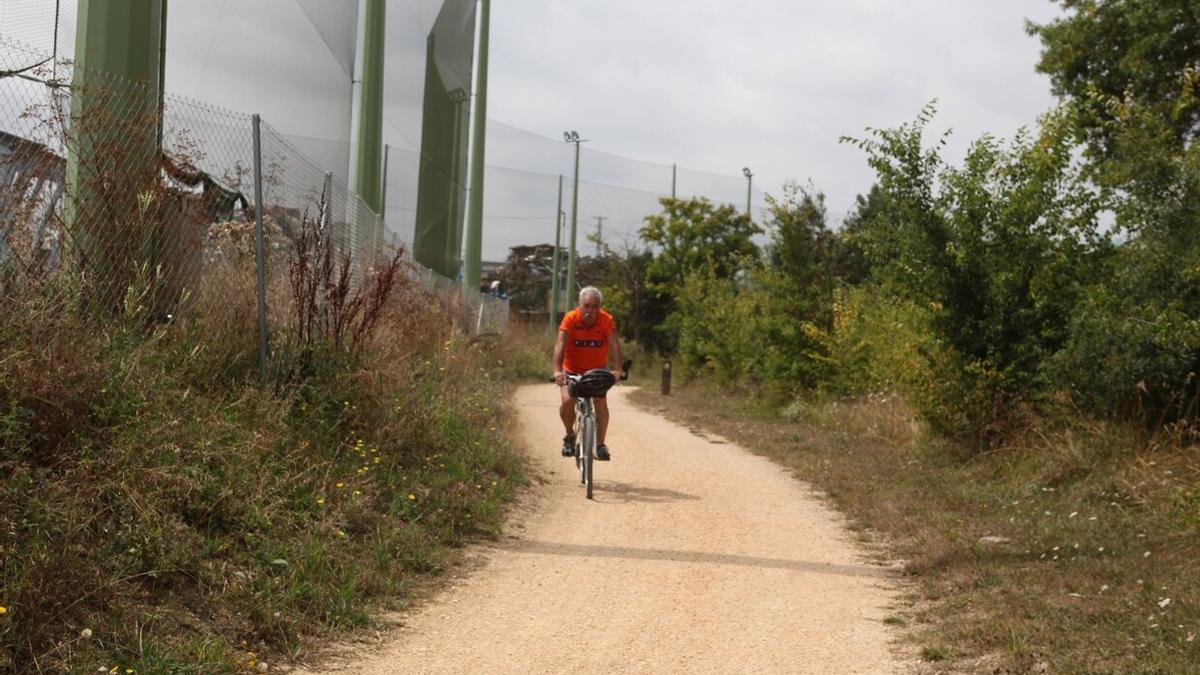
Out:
{"x": 158, "y": 513}
{"x": 1074, "y": 552}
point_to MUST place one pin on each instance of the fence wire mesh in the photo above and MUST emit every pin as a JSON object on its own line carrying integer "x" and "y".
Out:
{"x": 204, "y": 178}
{"x": 155, "y": 213}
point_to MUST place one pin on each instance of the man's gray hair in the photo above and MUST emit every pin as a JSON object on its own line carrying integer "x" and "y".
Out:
{"x": 591, "y": 290}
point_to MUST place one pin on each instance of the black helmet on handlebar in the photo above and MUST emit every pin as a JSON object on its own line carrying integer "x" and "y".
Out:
{"x": 593, "y": 383}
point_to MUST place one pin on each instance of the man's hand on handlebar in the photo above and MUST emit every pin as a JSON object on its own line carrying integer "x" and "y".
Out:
{"x": 560, "y": 378}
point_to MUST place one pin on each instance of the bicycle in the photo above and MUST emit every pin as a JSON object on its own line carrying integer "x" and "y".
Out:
{"x": 583, "y": 388}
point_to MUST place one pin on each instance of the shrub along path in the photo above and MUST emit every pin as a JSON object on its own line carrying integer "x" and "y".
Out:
{"x": 694, "y": 555}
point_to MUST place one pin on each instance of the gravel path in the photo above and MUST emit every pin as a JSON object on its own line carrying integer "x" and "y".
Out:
{"x": 694, "y": 556}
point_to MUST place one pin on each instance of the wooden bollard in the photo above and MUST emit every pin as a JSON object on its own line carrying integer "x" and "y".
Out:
{"x": 666, "y": 378}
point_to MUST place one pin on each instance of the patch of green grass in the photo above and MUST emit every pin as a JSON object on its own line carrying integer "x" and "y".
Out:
{"x": 1073, "y": 550}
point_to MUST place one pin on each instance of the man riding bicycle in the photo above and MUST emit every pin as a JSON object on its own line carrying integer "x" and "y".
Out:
{"x": 584, "y": 337}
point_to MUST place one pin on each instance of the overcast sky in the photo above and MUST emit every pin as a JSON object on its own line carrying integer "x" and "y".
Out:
{"x": 716, "y": 85}
{"x": 711, "y": 85}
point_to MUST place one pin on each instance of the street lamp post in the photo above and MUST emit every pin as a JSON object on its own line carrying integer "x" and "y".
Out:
{"x": 749, "y": 183}
{"x": 454, "y": 238}
{"x": 573, "y": 137}
{"x": 558, "y": 218}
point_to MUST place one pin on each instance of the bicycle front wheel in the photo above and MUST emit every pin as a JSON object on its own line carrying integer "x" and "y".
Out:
{"x": 589, "y": 453}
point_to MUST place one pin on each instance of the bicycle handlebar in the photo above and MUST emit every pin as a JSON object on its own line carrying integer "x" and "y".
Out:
{"x": 624, "y": 372}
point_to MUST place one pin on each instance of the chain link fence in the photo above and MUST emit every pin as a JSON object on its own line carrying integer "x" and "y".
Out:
{"x": 137, "y": 211}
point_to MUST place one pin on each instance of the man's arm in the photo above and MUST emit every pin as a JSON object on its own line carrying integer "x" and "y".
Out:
{"x": 559, "y": 345}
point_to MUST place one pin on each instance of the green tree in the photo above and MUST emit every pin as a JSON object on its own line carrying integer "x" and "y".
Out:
{"x": 797, "y": 290}
{"x": 997, "y": 250}
{"x": 1106, "y": 55}
{"x": 801, "y": 245}
{"x": 851, "y": 259}
{"x": 622, "y": 278}
{"x": 692, "y": 234}
{"x": 1129, "y": 71}
{"x": 688, "y": 236}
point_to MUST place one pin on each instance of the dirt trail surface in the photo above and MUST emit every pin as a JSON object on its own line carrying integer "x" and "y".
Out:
{"x": 695, "y": 556}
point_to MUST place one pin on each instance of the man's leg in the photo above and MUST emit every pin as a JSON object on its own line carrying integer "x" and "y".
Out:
{"x": 602, "y": 429}
{"x": 601, "y": 419}
{"x": 566, "y": 411}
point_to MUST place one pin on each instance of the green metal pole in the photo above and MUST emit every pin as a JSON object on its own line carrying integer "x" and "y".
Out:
{"x": 674, "y": 171}
{"x": 474, "y": 240}
{"x": 367, "y": 181}
{"x": 117, "y": 87}
{"x": 114, "y": 146}
{"x": 454, "y": 237}
{"x": 554, "y": 305}
{"x": 260, "y": 250}
{"x": 570, "y": 283}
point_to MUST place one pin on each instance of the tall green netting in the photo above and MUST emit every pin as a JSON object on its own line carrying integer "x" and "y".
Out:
{"x": 441, "y": 187}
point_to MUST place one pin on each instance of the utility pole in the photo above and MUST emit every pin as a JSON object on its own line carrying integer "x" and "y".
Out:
{"x": 573, "y": 137}
{"x": 558, "y": 218}
{"x": 474, "y": 244}
{"x": 600, "y": 235}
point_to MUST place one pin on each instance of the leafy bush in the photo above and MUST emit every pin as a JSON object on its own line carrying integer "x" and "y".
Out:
{"x": 1134, "y": 349}
{"x": 714, "y": 327}
{"x": 691, "y": 236}
{"x": 876, "y": 345}
{"x": 998, "y": 250}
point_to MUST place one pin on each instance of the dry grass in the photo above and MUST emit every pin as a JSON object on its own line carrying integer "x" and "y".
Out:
{"x": 150, "y": 495}
{"x": 1074, "y": 550}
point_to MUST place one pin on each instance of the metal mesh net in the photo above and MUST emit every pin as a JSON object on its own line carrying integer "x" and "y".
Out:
{"x": 201, "y": 188}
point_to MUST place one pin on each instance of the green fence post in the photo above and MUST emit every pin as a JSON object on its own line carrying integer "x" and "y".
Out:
{"x": 472, "y": 263}
{"x": 367, "y": 182}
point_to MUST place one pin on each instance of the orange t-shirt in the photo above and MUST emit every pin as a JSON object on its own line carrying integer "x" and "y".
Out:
{"x": 586, "y": 348}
